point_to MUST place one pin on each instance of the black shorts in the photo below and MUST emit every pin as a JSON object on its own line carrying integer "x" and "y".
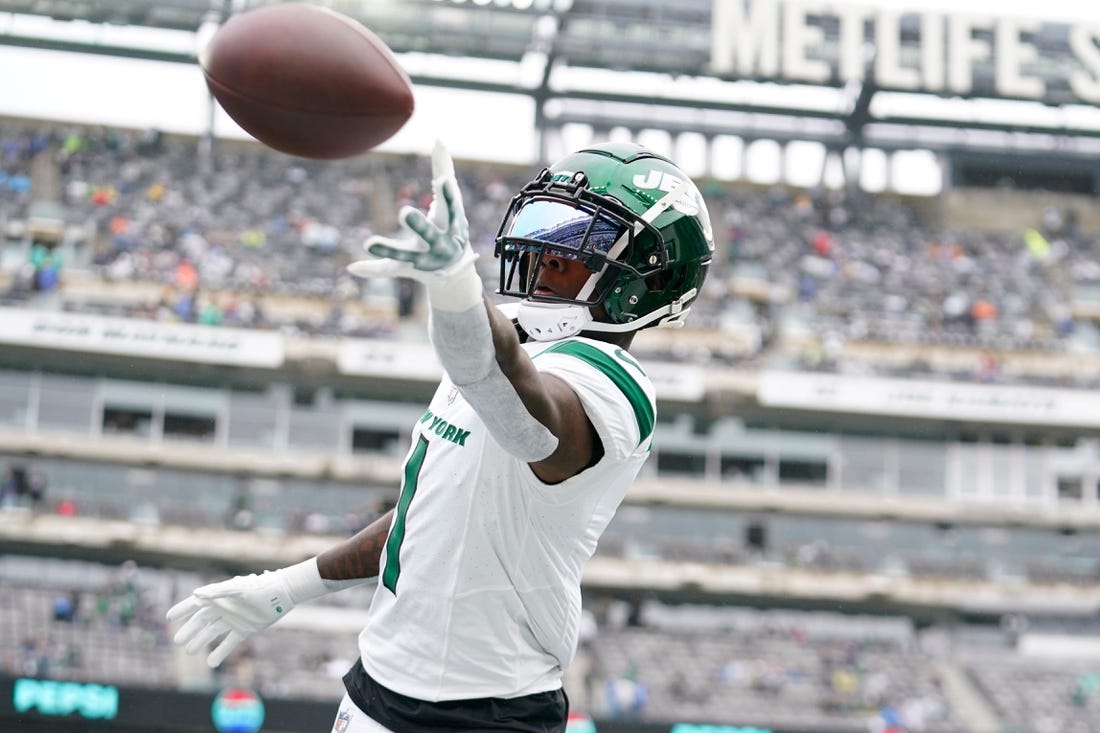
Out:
{"x": 542, "y": 712}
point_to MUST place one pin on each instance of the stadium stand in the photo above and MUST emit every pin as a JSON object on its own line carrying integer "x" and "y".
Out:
{"x": 149, "y": 235}
{"x": 1039, "y": 694}
{"x": 128, "y": 457}
{"x": 640, "y": 660}
{"x": 786, "y": 669}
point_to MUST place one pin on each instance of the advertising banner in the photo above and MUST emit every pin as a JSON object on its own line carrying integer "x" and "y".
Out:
{"x": 418, "y": 362}
{"x": 389, "y": 359}
{"x": 44, "y": 706}
{"x": 140, "y": 338}
{"x": 55, "y": 706}
{"x": 984, "y": 403}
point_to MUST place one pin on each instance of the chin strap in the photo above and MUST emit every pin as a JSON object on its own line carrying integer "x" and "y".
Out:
{"x": 553, "y": 321}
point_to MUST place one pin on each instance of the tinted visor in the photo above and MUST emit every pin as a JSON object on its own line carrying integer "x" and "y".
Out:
{"x": 542, "y": 224}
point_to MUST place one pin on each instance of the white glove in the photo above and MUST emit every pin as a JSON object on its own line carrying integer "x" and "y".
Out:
{"x": 439, "y": 256}
{"x": 241, "y": 606}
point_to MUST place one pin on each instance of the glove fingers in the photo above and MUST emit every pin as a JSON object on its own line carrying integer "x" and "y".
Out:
{"x": 436, "y": 214}
{"x": 378, "y": 268}
{"x": 195, "y": 624}
{"x": 389, "y": 252}
{"x": 215, "y": 629}
{"x": 421, "y": 226}
{"x": 229, "y": 643}
{"x": 443, "y": 170}
{"x": 407, "y": 243}
{"x": 443, "y": 165}
{"x": 183, "y": 610}
{"x": 224, "y": 589}
{"x": 456, "y": 212}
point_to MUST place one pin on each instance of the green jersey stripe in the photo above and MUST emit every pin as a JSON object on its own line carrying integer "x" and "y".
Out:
{"x": 397, "y": 532}
{"x": 635, "y": 395}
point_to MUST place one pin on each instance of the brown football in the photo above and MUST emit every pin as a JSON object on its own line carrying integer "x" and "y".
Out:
{"x": 307, "y": 81}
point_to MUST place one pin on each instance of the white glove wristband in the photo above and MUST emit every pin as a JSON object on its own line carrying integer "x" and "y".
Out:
{"x": 304, "y": 582}
{"x": 457, "y": 291}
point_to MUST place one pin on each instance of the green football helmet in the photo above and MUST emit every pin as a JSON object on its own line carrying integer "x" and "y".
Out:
{"x": 635, "y": 220}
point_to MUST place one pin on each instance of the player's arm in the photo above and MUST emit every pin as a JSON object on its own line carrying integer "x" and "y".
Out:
{"x": 537, "y": 418}
{"x": 358, "y": 557}
{"x": 549, "y": 399}
{"x": 234, "y": 609}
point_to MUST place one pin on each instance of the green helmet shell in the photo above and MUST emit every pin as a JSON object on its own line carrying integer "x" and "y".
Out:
{"x": 654, "y": 278}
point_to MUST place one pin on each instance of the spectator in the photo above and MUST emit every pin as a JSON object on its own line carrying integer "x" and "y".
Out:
{"x": 47, "y": 268}
{"x": 65, "y": 607}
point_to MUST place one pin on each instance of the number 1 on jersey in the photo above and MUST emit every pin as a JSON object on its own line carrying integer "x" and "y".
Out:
{"x": 397, "y": 533}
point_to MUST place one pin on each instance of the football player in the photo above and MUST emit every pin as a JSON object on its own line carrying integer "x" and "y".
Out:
{"x": 539, "y": 426}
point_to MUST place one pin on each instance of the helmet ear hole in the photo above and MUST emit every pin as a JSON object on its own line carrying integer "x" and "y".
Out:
{"x": 658, "y": 281}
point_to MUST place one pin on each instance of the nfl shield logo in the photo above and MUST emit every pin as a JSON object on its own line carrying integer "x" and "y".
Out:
{"x": 342, "y": 721}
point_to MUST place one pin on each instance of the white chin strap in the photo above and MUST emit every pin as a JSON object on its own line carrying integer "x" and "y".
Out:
{"x": 552, "y": 321}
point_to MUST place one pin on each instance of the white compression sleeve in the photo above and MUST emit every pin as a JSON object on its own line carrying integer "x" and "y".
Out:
{"x": 464, "y": 342}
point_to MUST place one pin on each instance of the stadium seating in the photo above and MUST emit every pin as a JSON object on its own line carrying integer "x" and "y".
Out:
{"x": 813, "y": 280}
{"x": 80, "y": 621}
{"x": 1040, "y": 695}
{"x": 151, "y": 232}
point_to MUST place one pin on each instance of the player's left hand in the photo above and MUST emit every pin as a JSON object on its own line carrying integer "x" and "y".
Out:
{"x": 234, "y": 608}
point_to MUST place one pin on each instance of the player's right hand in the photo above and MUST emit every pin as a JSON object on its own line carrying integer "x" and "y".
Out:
{"x": 234, "y": 608}
{"x": 439, "y": 253}
{"x": 441, "y": 245}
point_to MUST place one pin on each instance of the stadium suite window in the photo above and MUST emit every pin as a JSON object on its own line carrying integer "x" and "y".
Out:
{"x": 1071, "y": 488}
{"x": 128, "y": 421}
{"x": 375, "y": 440}
{"x": 803, "y": 472}
{"x": 681, "y": 463}
{"x": 741, "y": 468}
{"x": 176, "y": 425}
{"x": 189, "y": 427}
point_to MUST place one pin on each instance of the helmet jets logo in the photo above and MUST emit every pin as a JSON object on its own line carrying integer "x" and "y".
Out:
{"x": 690, "y": 204}
{"x": 661, "y": 181}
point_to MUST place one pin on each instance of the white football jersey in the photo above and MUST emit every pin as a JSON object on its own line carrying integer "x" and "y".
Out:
{"x": 479, "y": 594}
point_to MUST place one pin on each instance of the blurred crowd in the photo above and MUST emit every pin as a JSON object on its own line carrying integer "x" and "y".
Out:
{"x": 57, "y": 631}
{"x": 218, "y": 230}
{"x": 639, "y": 658}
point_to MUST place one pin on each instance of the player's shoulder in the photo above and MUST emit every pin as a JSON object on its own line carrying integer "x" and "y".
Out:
{"x": 604, "y": 374}
{"x": 600, "y": 355}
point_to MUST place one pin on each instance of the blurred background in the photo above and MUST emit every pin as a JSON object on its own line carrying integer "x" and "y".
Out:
{"x": 872, "y": 501}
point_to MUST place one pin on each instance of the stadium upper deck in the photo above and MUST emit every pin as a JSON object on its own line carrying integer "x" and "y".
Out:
{"x": 710, "y": 49}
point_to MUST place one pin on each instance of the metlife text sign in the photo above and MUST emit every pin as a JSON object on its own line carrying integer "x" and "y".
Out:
{"x": 786, "y": 40}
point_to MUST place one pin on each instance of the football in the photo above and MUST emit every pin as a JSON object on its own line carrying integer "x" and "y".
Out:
{"x": 307, "y": 81}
